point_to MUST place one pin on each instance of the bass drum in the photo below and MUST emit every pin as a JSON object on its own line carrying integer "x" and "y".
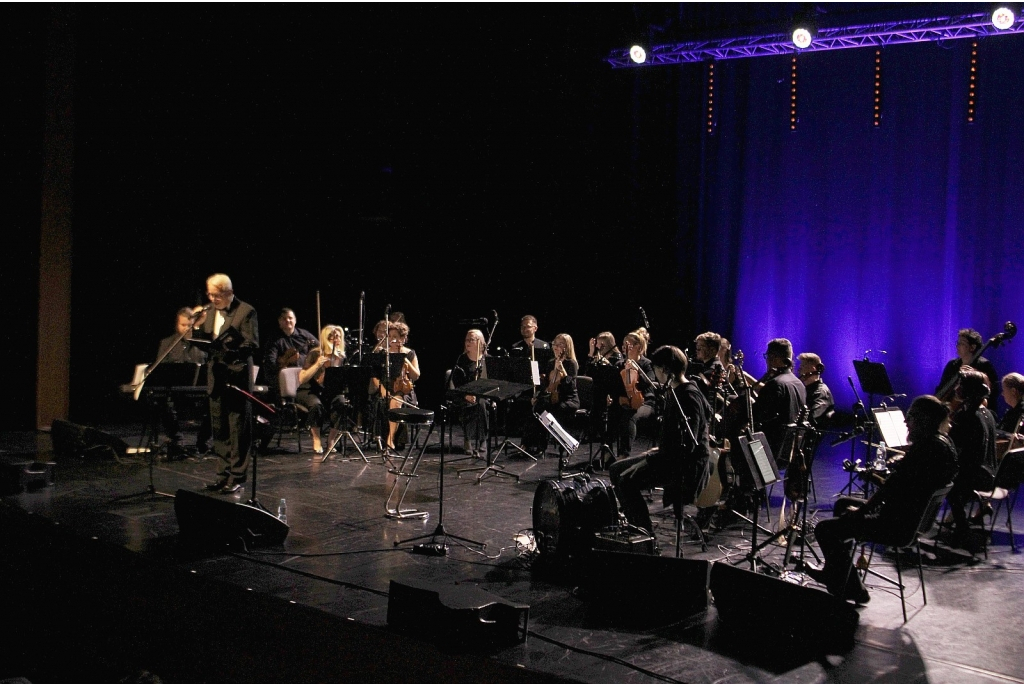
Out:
{"x": 566, "y": 515}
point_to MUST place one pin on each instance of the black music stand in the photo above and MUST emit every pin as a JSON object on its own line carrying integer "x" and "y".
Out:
{"x": 874, "y": 380}
{"x": 434, "y": 548}
{"x": 498, "y": 390}
{"x": 159, "y": 381}
{"x": 607, "y": 383}
{"x": 264, "y": 410}
{"x": 337, "y": 381}
{"x": 764, "y": 472}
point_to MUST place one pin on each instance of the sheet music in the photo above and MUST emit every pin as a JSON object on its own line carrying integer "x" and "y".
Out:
{"x": 535, "y": 370}
{"x": 892, "y": 426}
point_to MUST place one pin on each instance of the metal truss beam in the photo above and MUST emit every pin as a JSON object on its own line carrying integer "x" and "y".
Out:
{"x": 889, "y": 33}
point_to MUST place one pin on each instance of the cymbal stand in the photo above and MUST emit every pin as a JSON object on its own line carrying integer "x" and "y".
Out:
{"x": 434, "y": 547}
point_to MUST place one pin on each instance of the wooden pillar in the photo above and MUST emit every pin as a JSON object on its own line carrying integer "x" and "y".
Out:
{"x": 53, "y": 370}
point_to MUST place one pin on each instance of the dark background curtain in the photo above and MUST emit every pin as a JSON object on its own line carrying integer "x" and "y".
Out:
{"x": 451, "y": 161}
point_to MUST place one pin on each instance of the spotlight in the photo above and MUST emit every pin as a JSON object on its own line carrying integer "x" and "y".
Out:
{"x": 802, "y": 37}
{"x": 1003, "y": 18}
{"x": 638, "y": 54}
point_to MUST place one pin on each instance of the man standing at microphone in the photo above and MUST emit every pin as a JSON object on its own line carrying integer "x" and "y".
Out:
{"x": 231, "y": 326}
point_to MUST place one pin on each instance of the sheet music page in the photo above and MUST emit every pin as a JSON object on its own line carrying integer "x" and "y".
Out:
{"x": 535, "y": 370}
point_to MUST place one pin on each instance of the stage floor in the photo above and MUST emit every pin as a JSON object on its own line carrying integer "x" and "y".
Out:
{"x": 315, "y": 607}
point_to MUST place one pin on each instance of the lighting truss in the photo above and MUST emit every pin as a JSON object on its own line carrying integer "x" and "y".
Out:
{"x": 888, "y": 33}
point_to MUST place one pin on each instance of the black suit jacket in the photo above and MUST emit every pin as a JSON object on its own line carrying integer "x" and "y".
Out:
{"x": 232, "y": 351}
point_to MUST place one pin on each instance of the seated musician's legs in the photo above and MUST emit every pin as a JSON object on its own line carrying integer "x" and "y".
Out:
{"x": 628, "y": 421}
{"x": 835, "y": 536}
{"x": 315, "y": 416}
{"x": 630, "y": 481}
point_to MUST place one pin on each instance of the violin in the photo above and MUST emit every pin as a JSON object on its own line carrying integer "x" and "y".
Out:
{"x": 555, "y": 379}
{"x": 634, "y": 399}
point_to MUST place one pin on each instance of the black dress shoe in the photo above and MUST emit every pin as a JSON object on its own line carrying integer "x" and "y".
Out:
{"x": 230, "y": 487}
{"x": 219, "y": 485}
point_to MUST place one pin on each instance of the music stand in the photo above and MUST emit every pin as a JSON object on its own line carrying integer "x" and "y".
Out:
{"x": 566, "y": 441}
{"x": 607, "y": 383}
{"x": 337, "y": 381}
{"x": 764, "y": 472}
{"x": 160, "y": 380}
{"x": 433, "y": 547}
{"x": 493, "y": 389}
{"x": 264, "y": 410}
{"x": 874, "y": 380}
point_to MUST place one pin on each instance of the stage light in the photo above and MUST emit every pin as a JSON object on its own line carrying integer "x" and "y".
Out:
{"x": 638, "y": 54}
{"x": 802, "y": 37}
{"x": 1003, "y": 18}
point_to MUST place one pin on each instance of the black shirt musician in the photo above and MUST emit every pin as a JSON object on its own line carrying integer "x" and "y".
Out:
{"x": 930, "y": 463}
{"x": 780, "y": 399}
{"x": 968, "y": 342}
{"x": 821, "y": 407}
{"x": 680, "y": 462}
{"x": 471, "y": 410}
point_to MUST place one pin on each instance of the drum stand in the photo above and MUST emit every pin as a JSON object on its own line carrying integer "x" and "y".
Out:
{"x": 434, "y": 547}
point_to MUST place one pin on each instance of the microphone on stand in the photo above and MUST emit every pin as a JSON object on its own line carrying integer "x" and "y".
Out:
{"x": 643, "y": 315}
{"x": 473, "y": 322}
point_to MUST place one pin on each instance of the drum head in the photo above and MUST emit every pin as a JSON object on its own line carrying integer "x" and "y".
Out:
{"x": 566, "y": 514}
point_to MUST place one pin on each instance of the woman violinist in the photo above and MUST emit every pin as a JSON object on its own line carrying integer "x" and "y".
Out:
{"x": 560, "y": 398}
{"x": 330, "y": 353}
{"x": 635, "y": 401}
{"x": 401, "y": 392}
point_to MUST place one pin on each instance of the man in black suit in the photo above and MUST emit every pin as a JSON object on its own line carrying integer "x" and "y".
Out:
{"x": 231, "y": 326}
{"x": 780, "y": 399}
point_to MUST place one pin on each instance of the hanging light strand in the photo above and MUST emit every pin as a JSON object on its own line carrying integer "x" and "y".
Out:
{"x": 972, "y": 88}
{"x": 877, "y": 111}
{"x": 792, "y": 97}
{"x": 710, "y": 100}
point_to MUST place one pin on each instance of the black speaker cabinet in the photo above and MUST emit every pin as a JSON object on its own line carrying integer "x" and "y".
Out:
{"x": 792, "y": 615}
{"x": 213, "y": 520}
{"x": 455, "y": 615}
{"x": 636, "y": 586}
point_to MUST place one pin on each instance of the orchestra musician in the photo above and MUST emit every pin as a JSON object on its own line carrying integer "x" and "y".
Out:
{"x": 929, "y": 464}
{"x": 232, "y": 327}
{"x": 472, "y": 412}
{"x": 528, "y": 329}
{"x": 402, "y": 392}
{"x": 968, "y": 342}
{"x": 559, "y": 398}
{"x": 290, "y": 347}
{"x": 180, "y": 350}
{"x": 821, "y": 407}
{"x": 780, "y": 396}
{"x": 680, "y": 462}
{"x": 1013, "y": 392}
{"x": 636, "y": 401}
{"x": 604, "y": 351}
{"x": 602, "y": 364}
{"x": 329, "y": 353}
{"x": 973, "y": 431}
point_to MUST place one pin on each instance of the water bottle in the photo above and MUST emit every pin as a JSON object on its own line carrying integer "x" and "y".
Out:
{"x": 880, "y": 456}
{"x": 282, "y": 511}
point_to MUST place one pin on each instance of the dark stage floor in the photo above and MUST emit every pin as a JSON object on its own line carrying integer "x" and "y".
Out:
{"x": 99, "y": 586}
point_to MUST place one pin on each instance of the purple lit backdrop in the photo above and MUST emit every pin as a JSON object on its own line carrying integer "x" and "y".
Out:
{"x": 844, "y": 238}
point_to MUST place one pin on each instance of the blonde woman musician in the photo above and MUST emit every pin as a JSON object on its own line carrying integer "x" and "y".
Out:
{"x": 560, "y": 397}
{"x": 402, "y": 391}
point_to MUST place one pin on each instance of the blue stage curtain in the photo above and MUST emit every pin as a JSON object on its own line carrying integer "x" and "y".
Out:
{"x": 843, "y": 237}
